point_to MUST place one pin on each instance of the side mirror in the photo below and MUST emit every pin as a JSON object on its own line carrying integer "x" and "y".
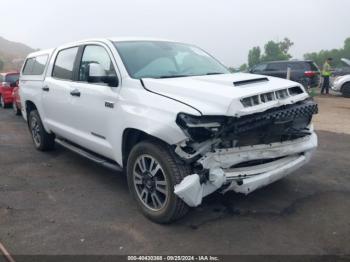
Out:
{"x": 97, "y": 74}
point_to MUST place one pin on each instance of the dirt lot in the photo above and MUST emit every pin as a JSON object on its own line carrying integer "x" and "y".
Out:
{"x": 334, "y": 113}
{"x": 60, "y": 203}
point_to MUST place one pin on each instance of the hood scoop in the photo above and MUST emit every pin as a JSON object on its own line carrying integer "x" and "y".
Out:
{"x": 250, "y": 81}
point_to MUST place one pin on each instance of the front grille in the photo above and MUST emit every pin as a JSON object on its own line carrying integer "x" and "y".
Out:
{"x": 274, "y": 125}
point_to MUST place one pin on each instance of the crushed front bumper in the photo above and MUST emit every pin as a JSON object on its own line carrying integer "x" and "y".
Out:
{"x": 285, "y": 157}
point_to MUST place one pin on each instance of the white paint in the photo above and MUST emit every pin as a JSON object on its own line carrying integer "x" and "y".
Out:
{"x": 155, "y": 113}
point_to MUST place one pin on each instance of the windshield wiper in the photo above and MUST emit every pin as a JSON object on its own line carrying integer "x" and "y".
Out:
{"x": 214, "y": 73}
{"x": 173, "y": 76}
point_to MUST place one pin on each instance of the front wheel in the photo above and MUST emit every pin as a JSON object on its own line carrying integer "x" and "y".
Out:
{"x": 346, "y": 90}
{"x": 153, "y": 171}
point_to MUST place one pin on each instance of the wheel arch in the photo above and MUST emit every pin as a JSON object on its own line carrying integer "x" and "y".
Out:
{"x": 345, "y": 92}
{"x": 344, "y": 84}
{"x": 133, "y": 136}
{"x": 29, "y": 107}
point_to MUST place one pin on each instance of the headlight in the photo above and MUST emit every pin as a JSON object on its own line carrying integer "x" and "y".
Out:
{"x": 200, "y": 128}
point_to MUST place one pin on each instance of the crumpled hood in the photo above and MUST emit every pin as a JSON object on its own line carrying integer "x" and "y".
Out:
{"x": 217, "y": 94}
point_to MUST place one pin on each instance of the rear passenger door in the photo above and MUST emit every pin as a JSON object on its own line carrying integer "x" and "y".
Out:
{"x": 56, "y": 92}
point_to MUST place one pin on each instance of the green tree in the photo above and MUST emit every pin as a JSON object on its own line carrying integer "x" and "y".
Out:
{"x": 320, "y": 57}
{"x": 243, "y": 68}
{"x": 1, "y": 64}
{"x": 347, "y": 46}
{"x": 285, "y": 45}
{"x": 277, "y": 50}
{"x": 254, "y": 56}
{"x": 272, "y": 51}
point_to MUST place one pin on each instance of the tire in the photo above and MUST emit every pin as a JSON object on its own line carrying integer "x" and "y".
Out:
{"x": 43, "y": 141}
{"x": 170, "y": 172}
{"x": 15, "y": 109}
{"x": 345, "y": 90}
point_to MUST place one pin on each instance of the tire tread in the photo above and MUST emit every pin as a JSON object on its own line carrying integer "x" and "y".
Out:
{"x": 178, "y": 170}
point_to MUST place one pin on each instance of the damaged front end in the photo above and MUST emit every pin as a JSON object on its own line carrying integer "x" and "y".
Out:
{"x": 244, "y": 153}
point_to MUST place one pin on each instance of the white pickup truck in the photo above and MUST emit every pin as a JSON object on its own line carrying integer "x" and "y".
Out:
{"x": 170, "y": 115}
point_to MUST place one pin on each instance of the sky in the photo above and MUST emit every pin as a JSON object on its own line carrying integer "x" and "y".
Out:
{"x": 225, "y": 28}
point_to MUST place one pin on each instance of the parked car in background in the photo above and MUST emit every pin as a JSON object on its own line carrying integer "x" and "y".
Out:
{"x": 16, "y": 103}
{"x": 8, "y": 82}
{"x": 304, "y": 72}
{"x": 345, "y": 70}
{"x": 169, "y": 114}
{"x": 342, "y": 83}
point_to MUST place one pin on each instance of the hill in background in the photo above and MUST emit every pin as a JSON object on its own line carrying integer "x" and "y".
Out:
{"x": 12, "y": 54}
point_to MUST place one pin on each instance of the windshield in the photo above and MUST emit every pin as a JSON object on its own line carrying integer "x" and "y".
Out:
{"x": 13, "y": 78}
{"x": 158, "y": 59}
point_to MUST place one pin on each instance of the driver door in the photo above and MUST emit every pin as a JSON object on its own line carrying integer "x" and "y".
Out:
{"x": 93, "y": 103}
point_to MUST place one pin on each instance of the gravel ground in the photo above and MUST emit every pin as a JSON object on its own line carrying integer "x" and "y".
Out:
{"x": 61, "y": 203}
{"x": 334, "y": 113}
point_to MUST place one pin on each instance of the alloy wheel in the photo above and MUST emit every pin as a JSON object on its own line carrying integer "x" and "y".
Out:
{"x": 150, "y": 182}
{"x": 35, "y": 128}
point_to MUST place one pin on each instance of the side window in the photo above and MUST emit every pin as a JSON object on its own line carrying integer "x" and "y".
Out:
{"x": 277, "y": 67}
{"x": 39, "y": 65}
{"x": 64, "y": 64}
{"x": 259, "y": 68}
{"x": 35, "y": 65}
{"x": 94, "y": 54}
{"x": 297, "y": 66}
{"x": 28, "y": 67}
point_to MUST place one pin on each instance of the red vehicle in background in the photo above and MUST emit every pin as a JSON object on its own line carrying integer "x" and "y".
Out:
{"x": 8, "y": 81}
{"x": 16, "y": 104}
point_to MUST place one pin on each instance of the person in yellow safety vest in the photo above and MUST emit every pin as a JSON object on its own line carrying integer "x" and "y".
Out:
{"x": 326, "y": 74}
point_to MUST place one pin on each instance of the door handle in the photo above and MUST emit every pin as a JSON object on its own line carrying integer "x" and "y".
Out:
{"x": 46, "y": 88}
{"x": 75, "y": 92}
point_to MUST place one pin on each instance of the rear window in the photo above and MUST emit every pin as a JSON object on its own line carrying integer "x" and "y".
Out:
{"x": 35, "y": 65}
{"x": 12, "y": 78}
{"x": 28, "y": 67}
{"x": 312, "y": 66}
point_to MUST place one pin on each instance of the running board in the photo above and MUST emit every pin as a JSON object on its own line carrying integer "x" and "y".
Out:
{"x": 93, "y": 157}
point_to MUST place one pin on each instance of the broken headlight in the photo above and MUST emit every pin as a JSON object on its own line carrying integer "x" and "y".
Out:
{"x": 200, "y": 128}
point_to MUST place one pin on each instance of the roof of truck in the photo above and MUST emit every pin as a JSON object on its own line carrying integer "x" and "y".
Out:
{"x": 113, "y": 39}
{"x": 124, "y": 39}
{"x": 41, "y": 52}
{"x": 119, "y": 39}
